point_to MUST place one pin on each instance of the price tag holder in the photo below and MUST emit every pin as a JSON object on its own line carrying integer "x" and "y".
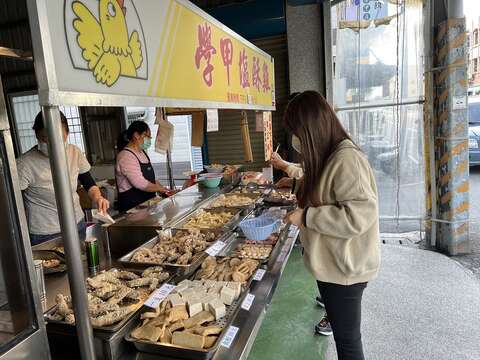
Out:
{"x": 229, "y": 336}
{"x": 259, "y": 274}
{"x": 282, "y": 256}
{"x": 248, "y": 301}
{"x": 215, "y": 248}
{"x": 292, "y": 231}
{"x": 159, "y": 295}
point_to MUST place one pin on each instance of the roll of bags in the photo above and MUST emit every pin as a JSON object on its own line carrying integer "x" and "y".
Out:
{"x": 247, "y": 146}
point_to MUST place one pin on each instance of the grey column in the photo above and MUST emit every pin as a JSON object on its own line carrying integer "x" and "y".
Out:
{"x": 450, "y": 87}
{"x": 305, "y": 48}
{"x": 68, "y": 224}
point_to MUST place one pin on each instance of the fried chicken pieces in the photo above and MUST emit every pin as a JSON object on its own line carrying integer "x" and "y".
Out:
{"x": 178, "y": 249}
{"x": 112, "y": 296}
{"x": 227, "y": 269}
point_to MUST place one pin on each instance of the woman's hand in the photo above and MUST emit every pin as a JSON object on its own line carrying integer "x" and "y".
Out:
{"x": 98, "y": 200}
{"x": 284, "y": 182}
{"x": 102, "y": 204}
{"x": 294, "y": 217}
{"x": 277, "y": 162}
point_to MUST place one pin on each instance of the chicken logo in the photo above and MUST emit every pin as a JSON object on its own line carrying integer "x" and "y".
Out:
{"x": 104, "y": 43}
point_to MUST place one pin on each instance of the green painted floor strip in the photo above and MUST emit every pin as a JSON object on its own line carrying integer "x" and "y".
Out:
{"x": 287, "y": 331}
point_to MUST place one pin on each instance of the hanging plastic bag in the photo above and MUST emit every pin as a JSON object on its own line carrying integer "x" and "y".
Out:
{"x": 164, "y": 140}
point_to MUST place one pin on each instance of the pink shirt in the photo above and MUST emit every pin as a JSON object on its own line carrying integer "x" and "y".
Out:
{"x": 128, "y": 172}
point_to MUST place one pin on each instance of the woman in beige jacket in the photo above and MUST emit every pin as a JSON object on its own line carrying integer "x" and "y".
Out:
{"x": 337, "y": 215}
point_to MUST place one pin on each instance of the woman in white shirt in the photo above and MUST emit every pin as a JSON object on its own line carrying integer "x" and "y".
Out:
{"x": 37, "y": 185}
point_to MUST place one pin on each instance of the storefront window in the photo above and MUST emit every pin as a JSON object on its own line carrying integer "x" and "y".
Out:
{"x": 378, "y": 95}
{"x": 26, "y": 107}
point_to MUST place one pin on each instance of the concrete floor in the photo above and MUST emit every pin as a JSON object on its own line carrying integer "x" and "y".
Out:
{"x": 423, "y": 306}
{"x": 287, "y": 331}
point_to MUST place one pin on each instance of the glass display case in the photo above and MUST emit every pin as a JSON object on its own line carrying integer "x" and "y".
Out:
{"x": 22, "y": 331}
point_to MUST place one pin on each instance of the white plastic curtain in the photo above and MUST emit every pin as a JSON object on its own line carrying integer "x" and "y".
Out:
{"x": 378, "y": 95}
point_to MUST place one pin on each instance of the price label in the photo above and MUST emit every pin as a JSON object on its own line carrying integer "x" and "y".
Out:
{"x": 247, "y": 303}
{"x": 282, "y": 256}
{"x": 159, "y": 295}
{"x": 293, "y": 230}
{"x": 215, "y": 248}
{"x": 259, "y": 274}
{"x": 229, "y": 336}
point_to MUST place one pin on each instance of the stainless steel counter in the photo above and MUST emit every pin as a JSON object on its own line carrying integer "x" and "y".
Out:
{"x": 58, "y": 283}
{"x": 248, "y": 322}
{"x": 112, "y": 346}
{"x": 135, "y": 228}
{"x": 140, "y": 224}
{"x": 162, "y": 212}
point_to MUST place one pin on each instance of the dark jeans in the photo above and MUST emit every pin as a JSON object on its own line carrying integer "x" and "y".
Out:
{"x": 38, "y": 239}
{"x": 343, "y": 305}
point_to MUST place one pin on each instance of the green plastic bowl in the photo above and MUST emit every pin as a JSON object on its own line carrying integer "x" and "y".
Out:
{"x": 210, "y": 182}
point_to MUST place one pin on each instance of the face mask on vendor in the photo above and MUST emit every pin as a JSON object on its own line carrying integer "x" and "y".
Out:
{"x": 43, "y": 148}
{"x": 296, "y": 144}
{"x": 42, "y": 141}
{"x": 147, "y": 142}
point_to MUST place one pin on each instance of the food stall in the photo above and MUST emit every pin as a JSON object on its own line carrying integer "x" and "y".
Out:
{"x": 144, "y": 299}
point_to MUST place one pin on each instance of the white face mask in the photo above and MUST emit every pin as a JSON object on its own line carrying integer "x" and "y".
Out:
{"x": 296, "y": 144}
{"x": 43, "y": 148}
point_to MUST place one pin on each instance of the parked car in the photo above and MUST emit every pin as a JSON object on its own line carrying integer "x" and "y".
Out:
{"x": 474, "y": 130}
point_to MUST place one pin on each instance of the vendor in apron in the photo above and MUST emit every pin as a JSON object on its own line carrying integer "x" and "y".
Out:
{"x": 134, "y": 172}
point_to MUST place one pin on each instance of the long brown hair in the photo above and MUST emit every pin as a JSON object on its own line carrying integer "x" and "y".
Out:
{"x": 313, "y": 121}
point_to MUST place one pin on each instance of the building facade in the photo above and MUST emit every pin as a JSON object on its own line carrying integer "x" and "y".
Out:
{"x": 474, "y": 62}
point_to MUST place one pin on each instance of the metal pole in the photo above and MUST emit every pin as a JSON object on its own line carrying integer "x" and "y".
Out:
{"x": 171, "y": 181}
{"x": 328, "y": 50}
{"x": 429, "y": 93}
{"x": 68, "y": 224}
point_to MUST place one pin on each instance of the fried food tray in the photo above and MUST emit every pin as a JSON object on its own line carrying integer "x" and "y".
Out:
{"x": 240, "y": 239}
{"x": 181, "y": 352}
{"x": 256, "y": 197}
{"x": 186, "y": 269}
{"x": 231, "y": 224}
{"x": 50, "y": 255}
{"x": 65, "y": 328}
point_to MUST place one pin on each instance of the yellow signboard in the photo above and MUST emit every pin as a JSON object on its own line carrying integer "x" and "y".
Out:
{"x": 138, "y": 52}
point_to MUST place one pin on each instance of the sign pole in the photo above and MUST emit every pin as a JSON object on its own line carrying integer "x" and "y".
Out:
{"x": 68, "y": 225}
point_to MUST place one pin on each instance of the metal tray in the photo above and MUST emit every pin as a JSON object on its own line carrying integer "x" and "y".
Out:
{"x": 63, "y": 327}
{"x": 181, "y": 352}
{"x": 50, "y": 255}
{"x": 257, "y": 198}
{"x": 241, "y": 240}
{"x": 277, "y": 200}
{"x": 237, "y": 217}
{"x": 186, "y": 269}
